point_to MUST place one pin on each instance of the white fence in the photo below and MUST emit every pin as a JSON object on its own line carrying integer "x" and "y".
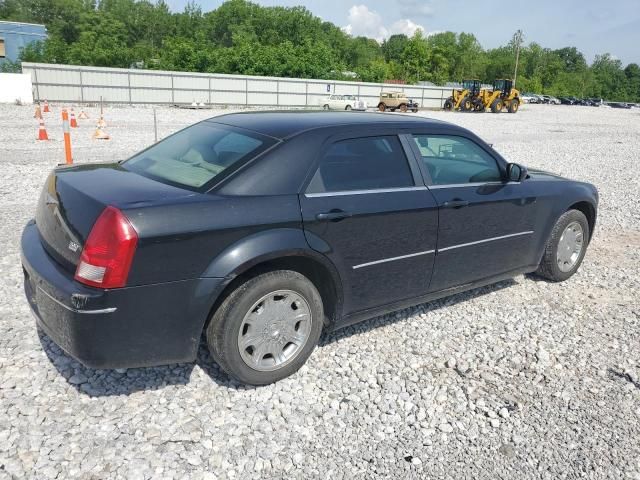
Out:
{"x": 71, "y": 83}
{"x": 15, "y": 87}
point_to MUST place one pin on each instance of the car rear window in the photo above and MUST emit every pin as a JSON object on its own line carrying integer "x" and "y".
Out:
{"x": 196, "y": 156}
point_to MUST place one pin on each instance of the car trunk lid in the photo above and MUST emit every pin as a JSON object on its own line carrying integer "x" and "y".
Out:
{"x": 74, "y": 197}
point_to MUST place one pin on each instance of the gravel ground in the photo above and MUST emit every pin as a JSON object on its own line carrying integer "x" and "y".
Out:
{"x": 524, "y": 378}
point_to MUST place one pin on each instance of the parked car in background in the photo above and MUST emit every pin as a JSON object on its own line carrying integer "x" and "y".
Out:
{"x": 396, "y": 101}
{"x": 550, "y": 100}
{"x": 619, "y": 104}
{"x": 343, "y": 102}
{"x": 568, "y": 100}
{"x": 529, "y": 98}
{"x": 261, "y": 230}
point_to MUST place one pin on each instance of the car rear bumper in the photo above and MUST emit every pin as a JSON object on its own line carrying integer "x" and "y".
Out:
{"x": 120, "y": 328}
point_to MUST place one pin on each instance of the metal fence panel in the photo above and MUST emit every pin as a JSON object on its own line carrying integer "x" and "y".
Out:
{"x": 191, "y": 83}
{"x": 155, "y": 81}
{"x": 70, "y": 83}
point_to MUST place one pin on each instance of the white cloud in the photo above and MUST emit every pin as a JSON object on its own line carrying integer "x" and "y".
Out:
{"x": 405, "y": 26}
{"x": 369, "y": 23}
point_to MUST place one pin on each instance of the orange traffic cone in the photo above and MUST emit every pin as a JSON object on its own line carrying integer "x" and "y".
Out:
{"x": 73, "y": 122}
{"x": 46, "y": 107}
{"x": 38, "y": 112}
{"x": 83, "y": 115}
{"x": 101, "y": 123}
{"x": 42, "y": 132}
{"x": 99, "y": 134}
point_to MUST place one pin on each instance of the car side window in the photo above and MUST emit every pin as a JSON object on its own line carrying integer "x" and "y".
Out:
{"x": 367, "y": 163}
{"x": 455, "y": 160}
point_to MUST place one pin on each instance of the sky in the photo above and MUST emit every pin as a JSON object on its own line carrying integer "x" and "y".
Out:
{"x": 593, "y": 26}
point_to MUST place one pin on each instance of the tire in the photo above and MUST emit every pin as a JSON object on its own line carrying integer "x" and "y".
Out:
{"x": 448, "y": 105}
{"x": 478, "y": 106}
{"x": 241, "y": 306}
{"x": 325, "y": 107}
{"x": 466, "y": 105}
{"x": 513, "y": 105}
{"x": 414, "y": 110}
{"x": 403, "y": 108}
{"x": 497, "y": 105}
{"x": 382, "y": 107}
{"x": 347, "y": 108}
{"x": 549, "y": 266}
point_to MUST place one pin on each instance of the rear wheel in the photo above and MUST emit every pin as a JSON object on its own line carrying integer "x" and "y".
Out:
{"x": 448, "y": 104}
{"x": 414, "y": 110}
{"x": 514, "y": 105}
{"x": 566, "y": 247}
{"x": 348, "y": 107}
{"x": 497, "y": 105}
{"x": 325, "y": 107}
{"x": 266, "y": 329}
{"x": 382, "y": 107}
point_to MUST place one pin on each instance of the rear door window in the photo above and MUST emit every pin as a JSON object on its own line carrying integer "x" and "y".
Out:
{"x": 368, "y": 163}
{"x": 456, "y": 160}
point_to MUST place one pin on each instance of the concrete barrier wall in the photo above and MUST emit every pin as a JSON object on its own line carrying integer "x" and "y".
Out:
{"x": 72, "y": 83}
{"x": 16, "y": 87}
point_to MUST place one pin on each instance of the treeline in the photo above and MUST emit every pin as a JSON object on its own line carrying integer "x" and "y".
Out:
{"x": 245, "y": 38}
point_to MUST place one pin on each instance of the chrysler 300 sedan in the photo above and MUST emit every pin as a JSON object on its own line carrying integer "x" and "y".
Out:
{"x": 261, "y": 230}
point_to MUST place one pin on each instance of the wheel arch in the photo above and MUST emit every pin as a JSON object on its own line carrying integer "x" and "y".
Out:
{"x": 280, "y": 249}
{"x": 589, "y": 211}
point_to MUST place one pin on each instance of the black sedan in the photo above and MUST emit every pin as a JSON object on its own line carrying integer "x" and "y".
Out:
{"x": 261, "y": 230}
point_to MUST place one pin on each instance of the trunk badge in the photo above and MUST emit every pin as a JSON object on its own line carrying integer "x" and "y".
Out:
{"x": 73, "y": 246}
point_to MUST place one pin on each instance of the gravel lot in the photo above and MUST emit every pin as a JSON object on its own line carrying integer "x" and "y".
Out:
{"x": 524, "y": 378}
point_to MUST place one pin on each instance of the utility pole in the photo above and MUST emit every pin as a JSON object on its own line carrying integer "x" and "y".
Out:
{"x": 517, "y": 40}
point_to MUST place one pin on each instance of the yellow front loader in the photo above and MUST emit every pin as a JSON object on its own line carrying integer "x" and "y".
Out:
{"x": 502, "y": 96}
{"x": 461, "y": 99}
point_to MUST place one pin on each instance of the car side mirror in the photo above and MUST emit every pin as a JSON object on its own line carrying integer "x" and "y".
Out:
{"x": 516, "y": 172}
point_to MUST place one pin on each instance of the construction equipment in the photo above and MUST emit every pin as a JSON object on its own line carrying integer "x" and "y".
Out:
{"x": 461, "y": 99}
{"x": 502, "y": 96}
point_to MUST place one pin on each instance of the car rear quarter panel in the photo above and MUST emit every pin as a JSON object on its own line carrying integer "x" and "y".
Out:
{"x": 178, "y": 242}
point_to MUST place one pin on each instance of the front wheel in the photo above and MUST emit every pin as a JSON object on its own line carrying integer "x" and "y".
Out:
{"x": 513, "y": 105}
{"x": 382, "y": 107}
{"x": 403, "y": 108}
{"x": 466, "y": 105}
{"x": 347, "y": 108}
{"x": 266, "y": 328}
{"x": 325, "y": 107}
{"x": 497, "y": 105}
{"x": 478, "y": 106}
{"x": 566, "y": 247}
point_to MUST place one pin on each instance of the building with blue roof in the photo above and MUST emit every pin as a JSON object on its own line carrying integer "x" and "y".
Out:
{"x": 14, "y": 36}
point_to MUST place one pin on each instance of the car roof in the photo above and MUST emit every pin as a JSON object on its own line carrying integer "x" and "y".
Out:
{"x": 285, "y": 124}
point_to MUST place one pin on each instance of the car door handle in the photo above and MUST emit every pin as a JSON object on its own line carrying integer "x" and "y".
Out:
{"x": 456, "y": 203}
{"x": 333, "y": 215}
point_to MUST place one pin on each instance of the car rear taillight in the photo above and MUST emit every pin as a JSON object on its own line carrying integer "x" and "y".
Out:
{"x": 108, "y": 251}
